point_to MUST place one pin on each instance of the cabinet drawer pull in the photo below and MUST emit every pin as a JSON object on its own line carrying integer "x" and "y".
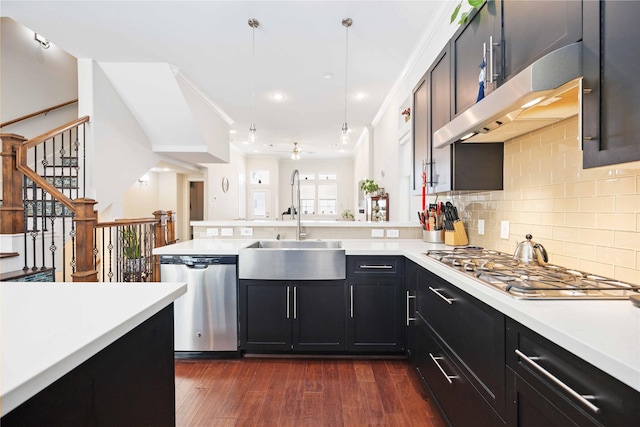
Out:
{"x": 584, "y": 399}
{"x": 408, "y": 298}
{"x": 437, "y": 292}
{"x": 385, "y": 267}
{"x": 435, "y": 360}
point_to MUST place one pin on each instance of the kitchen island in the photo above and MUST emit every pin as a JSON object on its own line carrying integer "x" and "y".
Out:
{"x": 88, "y": 353}
{"x": 605, "y": 333}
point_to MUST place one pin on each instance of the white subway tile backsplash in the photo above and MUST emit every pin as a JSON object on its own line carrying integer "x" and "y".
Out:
{"x": 588, "y": 219}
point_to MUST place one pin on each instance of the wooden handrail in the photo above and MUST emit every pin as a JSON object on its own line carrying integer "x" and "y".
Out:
{"x": 21, "y": 162}
{"x": 37, "y": 113}
{"x": 57, "y": 131}
{"x": 125, "y": 222}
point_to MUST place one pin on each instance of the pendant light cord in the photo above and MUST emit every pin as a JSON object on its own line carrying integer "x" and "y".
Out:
{"x": 346, "y": 67}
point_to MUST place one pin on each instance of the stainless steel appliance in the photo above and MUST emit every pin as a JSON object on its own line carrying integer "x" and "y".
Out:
{"x": 206, "y": 316}
{"x": 531, "y": 281}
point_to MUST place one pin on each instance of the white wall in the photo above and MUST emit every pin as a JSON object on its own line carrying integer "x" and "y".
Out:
{"x": 118, "y": 148}
{"x": 33, "y": 79}
{"x": 388, "y": 130}
{"x": 221, "y": 205}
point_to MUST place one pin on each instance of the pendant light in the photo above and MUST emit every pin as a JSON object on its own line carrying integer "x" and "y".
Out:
{"x": 253, "y": 23}
{"x": 344, "y": 137}
{"x": 295, "y": 155}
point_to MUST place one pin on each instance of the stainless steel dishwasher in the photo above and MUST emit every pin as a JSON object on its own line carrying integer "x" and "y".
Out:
{"x": 206, "y": 316}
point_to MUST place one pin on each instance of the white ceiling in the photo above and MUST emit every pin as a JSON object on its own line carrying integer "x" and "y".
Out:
{"x": 297, "y": 44}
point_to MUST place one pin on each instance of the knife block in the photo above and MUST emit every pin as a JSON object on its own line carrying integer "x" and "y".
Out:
{"x": 457, "y": 236}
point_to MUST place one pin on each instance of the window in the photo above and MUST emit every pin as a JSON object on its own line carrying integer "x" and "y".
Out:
{"x": 327, "y": 198}
{"x": 318, "y": 194}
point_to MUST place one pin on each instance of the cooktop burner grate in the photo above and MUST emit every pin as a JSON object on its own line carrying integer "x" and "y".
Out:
{"x": 531, "y": 281}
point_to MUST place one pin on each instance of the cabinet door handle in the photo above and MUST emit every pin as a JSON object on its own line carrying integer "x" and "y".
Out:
{"x": 582, "y": 398}
{"x": 385, "y": 267}
{"x": 490, "y": 59}
{"x": 295, "y": 302}
{"x": 351, "y": 300}
{"x": 288, "y": 302}
{"x": 408, "y": 298}
{"x": 437, "y": 292}
{"x": 447, "y": 376}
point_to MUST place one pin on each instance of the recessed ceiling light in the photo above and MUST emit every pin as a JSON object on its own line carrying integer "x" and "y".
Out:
{"x": 277, "y": 96}
{"x": 232, "y": 131}
{"x": 328, "y": 76}
{"x": 360, "y": 95}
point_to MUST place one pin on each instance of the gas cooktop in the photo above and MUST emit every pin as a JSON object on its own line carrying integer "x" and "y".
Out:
{"x": 531, "y": 281}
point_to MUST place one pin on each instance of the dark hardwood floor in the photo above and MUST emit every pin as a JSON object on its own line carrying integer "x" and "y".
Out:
{"x": 301, "y": 392}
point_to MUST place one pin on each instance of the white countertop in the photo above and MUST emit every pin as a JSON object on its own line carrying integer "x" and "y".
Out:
{"x": 48, "y": 329}
{"x": 605, "y": 333}
{"x": 304, "y": 223}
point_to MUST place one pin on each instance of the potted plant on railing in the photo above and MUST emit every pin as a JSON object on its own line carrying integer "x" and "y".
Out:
{"x": 135, "y": 264}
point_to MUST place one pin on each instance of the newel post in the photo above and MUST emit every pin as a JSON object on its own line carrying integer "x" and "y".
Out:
{"x": 12, "y": 209}
{"x": 85, "y": 219}
{"x": 171, "y": 227}
{"x": 160, "y": 240}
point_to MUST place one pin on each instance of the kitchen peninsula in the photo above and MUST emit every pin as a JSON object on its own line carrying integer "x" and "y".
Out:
{"x": 589, "y": 329}
{"x": 79, "y": 353}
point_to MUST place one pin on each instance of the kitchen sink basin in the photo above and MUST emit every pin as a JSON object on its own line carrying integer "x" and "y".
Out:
{"x": 296, "y": 244}
{"x": 292, "y": 260}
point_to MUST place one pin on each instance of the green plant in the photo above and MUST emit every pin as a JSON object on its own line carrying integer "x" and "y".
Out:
{"x": 465, "y": 15}
{"x": 369, "y": 186}
{"x": 130, "y": 242}
{"x": 347, "y": 215}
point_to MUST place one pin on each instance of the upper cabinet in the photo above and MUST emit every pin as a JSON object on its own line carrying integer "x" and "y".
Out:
{"x": 420, "y": 131}
{"x": 439, "y": 83}
{"x": 474, "y": 44}
{"x": 534, "y": 28}
{"x": 611, "y": 59}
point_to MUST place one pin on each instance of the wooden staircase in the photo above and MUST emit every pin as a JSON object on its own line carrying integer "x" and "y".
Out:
{"x": 47, "y": 220}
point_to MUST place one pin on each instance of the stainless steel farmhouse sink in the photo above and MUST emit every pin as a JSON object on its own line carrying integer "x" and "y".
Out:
{"x": 292, "y": 260}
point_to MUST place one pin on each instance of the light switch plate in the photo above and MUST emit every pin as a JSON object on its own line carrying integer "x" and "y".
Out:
{"x": 227, "y": 232}
{"x": 246, "y": 231}
{"x": 481, "y": 227}
{"x": 504, "y": 230}
{"x": 212, "y": 232}
{"x": 377, "y": 232}
{"x": 393, "y": 233}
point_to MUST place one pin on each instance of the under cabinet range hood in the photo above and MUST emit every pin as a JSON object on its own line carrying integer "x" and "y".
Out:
{"x": 545, "y": 92}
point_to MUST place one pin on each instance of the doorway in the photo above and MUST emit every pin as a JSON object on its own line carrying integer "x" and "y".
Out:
{"x": 196, "y": 203}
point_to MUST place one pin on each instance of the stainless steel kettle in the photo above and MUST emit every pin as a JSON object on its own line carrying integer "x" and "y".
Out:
{"x": 530, "y": 252}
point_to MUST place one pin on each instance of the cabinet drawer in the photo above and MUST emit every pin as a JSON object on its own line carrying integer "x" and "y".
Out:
{"x": 565, "y": 379}
{"x": 375, "y": 265}
{"x": 473, "y": 331}
{"x": 460, "y": 401}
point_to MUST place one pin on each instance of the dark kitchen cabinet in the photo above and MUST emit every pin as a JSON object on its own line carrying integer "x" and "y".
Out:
{"x": 536, "y": 369}
{"x": 439, "y": 164}
{"x": 420, "y": 133}
{"x": 460, "y": 166}
{"x": 376, "y": 304}
{"x": 531, "y": 29}
{"x": 470, "y": 330}
{"x": 303, "y": 316}
{"x": 476, "y": 41}
{"x": 449, "y": 383}
{"x": 611, "y": 58}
